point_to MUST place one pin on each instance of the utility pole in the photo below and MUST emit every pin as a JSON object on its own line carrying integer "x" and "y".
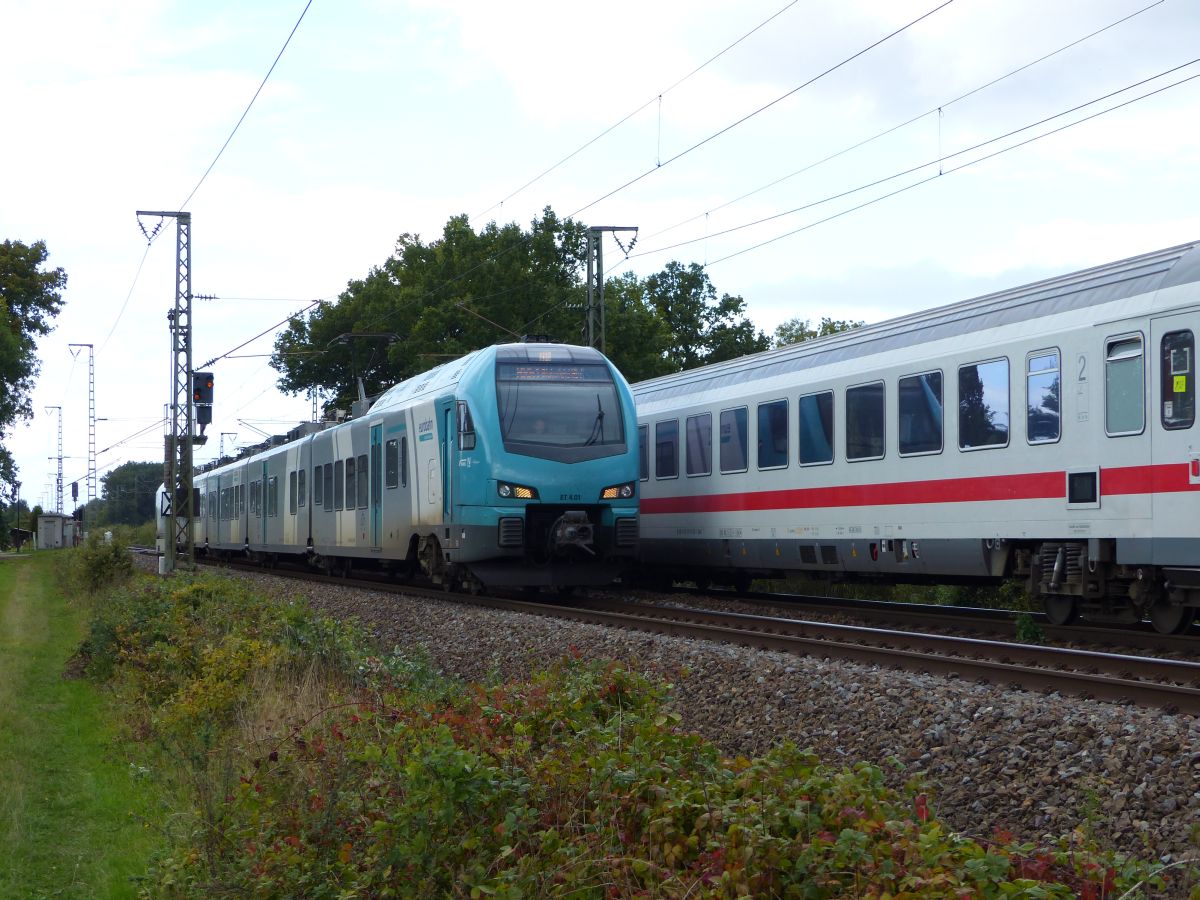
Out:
{"x": 91, "y": 476}
{"x": 593, "y": 327}
{"x": 180, "y": 439}
{"x": 58, "y": 495}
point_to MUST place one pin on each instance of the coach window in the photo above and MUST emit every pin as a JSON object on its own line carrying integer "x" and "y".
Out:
{"x": 318, "y": 484}
{"x": 351, "y": 484}
{"x": 1124, "y": 387}
{"x": 338, "y": 483}
{"x": 773, "y": 435}
{"x": 241, "y": 499}
{"x": 292, "y": 492}
{"x": 363, "y": 472}
{"x": 1043, "y": 390}
{"x": 327, "y": 478}
{"x": 391, "y": 462}
{"x": 733, "y": 440}
{"x": 920, "y": 422}
{"x": 864, "y": 421}
{"x": 255, "y": 505}
{"x": 815, "y": 412}
{"x": 404, "y": 461}
{"x": 666, "y": 449}
{"x": 699, "y": 444}
{"x": 301, "y": 488}
{"x": 983, "y": 405}
{"x": 1178, "y": 380}
{"x": 644, "y": 452}
{"x": 273, "y": 496}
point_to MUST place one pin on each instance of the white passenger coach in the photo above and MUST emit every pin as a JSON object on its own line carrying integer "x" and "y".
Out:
{"x": 1046, "y": 433}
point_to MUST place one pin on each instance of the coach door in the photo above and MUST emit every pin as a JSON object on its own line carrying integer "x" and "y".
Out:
{"x": 1176, "y": 437}
{"x": 262, "y": 506}
{"x": 448, "y": 443}
{"x": 376, "y": 485}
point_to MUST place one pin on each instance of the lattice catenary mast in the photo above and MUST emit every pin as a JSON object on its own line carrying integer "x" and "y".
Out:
{"x": 91, "y": 475}
{"x": 177, "y": 468}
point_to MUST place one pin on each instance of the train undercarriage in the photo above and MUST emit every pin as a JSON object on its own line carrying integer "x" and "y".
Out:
{"x": 1080, "y": 579}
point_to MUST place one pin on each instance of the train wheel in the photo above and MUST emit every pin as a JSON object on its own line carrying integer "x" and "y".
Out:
{"x": 1060, "y": 609}
{"x": 1168, "y": 619}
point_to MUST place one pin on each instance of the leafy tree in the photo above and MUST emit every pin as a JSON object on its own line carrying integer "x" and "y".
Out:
{"x": 440, "y": 300}
{"x": 704, "y": 328}
{"x": 129, "y": 492}
{"x": 795, "y": 330}
{"x": 636, "y": 340}
{"x": 431, "y": 302}
{"x": 29, "y": 299}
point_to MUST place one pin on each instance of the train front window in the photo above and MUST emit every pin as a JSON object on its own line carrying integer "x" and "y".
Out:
{"x": 556, "y": 410}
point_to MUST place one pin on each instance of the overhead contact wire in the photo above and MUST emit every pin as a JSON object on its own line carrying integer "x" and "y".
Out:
{"x": 657, "y": 97}
{"x": 959, "y": 168}
{"x": 763, "y": 108}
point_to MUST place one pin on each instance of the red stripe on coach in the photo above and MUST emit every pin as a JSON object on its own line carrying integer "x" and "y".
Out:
{"x": 1028, "y": 486}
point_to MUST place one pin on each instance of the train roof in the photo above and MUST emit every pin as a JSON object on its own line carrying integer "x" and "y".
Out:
{"x": 1090, "y": 287}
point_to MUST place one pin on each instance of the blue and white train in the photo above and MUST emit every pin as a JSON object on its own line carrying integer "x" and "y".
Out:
{"x": 513, "y": 466}
{"x": 1046, "y": 433}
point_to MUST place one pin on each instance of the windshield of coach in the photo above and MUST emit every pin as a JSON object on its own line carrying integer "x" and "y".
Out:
{"x": 559, "y": 410}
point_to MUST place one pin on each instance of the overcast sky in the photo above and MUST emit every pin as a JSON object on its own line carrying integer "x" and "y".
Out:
{"x": 389, "y": 116}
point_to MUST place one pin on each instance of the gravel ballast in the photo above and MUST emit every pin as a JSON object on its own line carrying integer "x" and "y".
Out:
{"x": 990, "y": 757}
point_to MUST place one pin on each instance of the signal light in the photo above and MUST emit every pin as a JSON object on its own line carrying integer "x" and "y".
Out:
{"x": 202, "y": 397}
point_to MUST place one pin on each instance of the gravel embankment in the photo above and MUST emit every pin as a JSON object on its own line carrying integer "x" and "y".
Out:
{"x": 1034, "y": 764}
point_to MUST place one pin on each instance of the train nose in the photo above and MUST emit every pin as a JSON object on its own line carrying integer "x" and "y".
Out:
{"x": 573, "y": 530}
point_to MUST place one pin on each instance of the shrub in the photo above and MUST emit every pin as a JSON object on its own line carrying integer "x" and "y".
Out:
{"x": 95, "y": 565}
{"x": 318, "y": 770}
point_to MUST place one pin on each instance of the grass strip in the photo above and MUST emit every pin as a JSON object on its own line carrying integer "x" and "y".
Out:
{"x": 72, "y": 814}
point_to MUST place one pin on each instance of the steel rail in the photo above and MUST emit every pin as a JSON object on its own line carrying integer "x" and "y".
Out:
{"x": 1001, "y": 621}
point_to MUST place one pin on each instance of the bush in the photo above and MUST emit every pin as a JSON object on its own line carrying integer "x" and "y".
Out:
{"x": 95, "y": 565}
{"x": 318, "y": 770}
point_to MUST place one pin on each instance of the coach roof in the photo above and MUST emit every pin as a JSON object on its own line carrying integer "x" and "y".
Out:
{"x": 1090, "y": 287}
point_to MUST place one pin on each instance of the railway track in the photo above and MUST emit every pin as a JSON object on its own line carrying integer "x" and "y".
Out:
{"x": 1173, "y": 685}
{"x": 1000, "y": 622}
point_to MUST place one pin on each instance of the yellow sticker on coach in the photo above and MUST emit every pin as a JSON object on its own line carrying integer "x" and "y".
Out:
{"x": 1181, "y": 384}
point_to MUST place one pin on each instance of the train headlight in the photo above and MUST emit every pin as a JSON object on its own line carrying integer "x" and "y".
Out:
{"x": 618, "y": 492}
{"x": 510, "y": 491}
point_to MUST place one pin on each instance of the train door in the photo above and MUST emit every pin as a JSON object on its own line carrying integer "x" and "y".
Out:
{"x": 427, "y": 465}
{"x": 448, "y": 442}
{"x": 1175, "y": 438}
{"x": 262, "y": 506}
{"x": 376, "y": 485}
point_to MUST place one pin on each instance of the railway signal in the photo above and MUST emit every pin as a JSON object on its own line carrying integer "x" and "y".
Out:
{"x": 202, "y": 397}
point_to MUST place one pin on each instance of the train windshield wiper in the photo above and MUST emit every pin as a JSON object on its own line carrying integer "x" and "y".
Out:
{"x": 598, "y": 425}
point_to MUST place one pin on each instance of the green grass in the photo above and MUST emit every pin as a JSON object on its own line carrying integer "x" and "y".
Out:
{"x": 72, "y": 811}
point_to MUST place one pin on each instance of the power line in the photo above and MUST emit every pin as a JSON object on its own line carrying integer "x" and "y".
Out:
{"x": 907, "y": 122}
{"x": 261, "y": 333}
{"x": 962, "y": 166}
{"x": 763, "y": 108}
{"x": 657, "y": 96}
{"x": 923, "y": 165}
{"x": 184, "y": 204}
{"x": 747, "y": 117}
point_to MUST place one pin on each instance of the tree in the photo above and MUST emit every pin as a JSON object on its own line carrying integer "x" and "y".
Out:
{"x": 441, "y": 300}
{"x": 704, "y": 329}
{"x": 29, "y": 299}
{"x": 129, "y": 492}
{"x": 796, "y": 330}
{"x": 636, "y": 340}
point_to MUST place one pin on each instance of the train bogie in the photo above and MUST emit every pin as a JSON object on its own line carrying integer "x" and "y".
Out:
{"x": 1045, "y": 433}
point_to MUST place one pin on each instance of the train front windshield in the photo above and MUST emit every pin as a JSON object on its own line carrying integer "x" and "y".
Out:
{"x": 566, "y": 411}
